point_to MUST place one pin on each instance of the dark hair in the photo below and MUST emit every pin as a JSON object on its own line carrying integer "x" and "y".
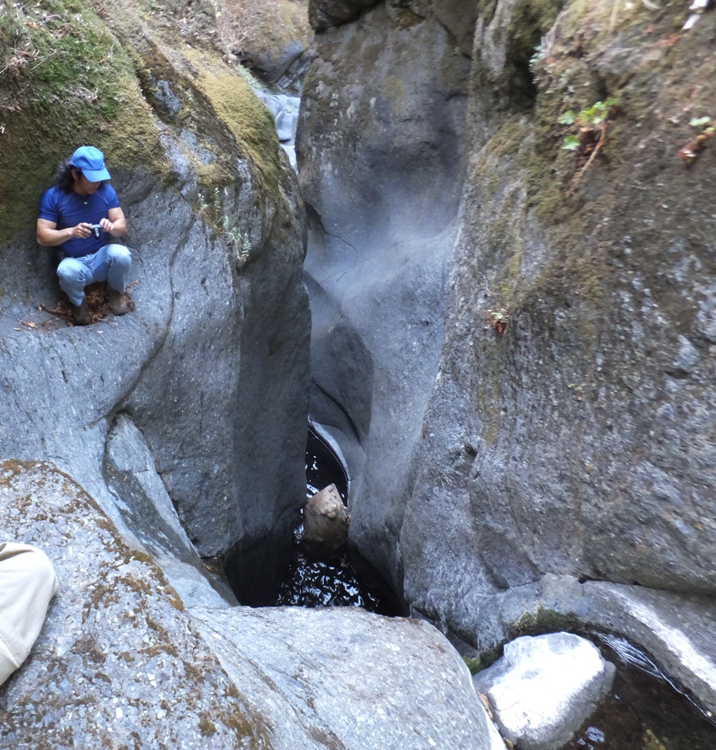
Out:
{"x": 63, "y": 177}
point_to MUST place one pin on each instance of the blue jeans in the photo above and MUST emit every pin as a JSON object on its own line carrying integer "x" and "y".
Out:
{"x": 110, "y": 263}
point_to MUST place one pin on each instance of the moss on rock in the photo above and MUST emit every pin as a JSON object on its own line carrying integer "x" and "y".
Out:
{"x": 242, "y": 114}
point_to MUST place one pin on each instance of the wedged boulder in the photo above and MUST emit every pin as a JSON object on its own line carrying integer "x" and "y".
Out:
{"x": 325, "y": 522}
{"x": 544, "y": 688}
{"x": 121, "y": 662}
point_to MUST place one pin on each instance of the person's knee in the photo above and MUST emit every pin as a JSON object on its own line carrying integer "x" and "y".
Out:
{"x": 39, "y": 569}
{"x": 32, "y": 570}
{"x": 27, "y": 583}
{"x": 70, "y": 271}
{"x": 120, "y": 256}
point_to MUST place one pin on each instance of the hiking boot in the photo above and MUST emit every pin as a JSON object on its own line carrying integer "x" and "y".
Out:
{"x": 117, "y": 303}
{"x": 81, "y": 314}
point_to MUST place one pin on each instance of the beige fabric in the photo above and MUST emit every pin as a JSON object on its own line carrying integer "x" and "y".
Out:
{"x": 27, "y": 583}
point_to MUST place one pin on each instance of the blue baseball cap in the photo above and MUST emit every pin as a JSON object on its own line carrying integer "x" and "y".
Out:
{"x": 91, "y": 161}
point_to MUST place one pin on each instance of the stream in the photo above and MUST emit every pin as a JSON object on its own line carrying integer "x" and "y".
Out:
{"x": 645, "y": 709}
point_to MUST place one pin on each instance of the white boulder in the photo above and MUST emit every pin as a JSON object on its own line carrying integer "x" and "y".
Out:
{"x": 544, "y": 688}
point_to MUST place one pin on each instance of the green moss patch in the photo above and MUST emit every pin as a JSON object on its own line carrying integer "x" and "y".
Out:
{"x": 242, "y": 114}
{"x": 81, "y": 72}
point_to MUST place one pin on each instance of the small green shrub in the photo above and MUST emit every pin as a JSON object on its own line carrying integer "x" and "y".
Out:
{"x": 590, "y": 120}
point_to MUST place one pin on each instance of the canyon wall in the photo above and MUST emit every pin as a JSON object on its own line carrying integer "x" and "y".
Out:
{"x": 556, "y": 458}
{"x": 381, "y": 161}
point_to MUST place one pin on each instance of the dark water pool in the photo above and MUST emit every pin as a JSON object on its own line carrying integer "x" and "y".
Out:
{"x": 347, "y": 581}
{"x": 644, "y": 711}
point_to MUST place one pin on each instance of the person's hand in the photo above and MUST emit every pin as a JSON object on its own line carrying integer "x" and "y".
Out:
{"x": 83, "y": 230}
{"x": 107, "y": 225}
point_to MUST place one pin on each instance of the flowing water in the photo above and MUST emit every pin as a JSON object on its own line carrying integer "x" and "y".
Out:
{"x": 645, "y": 710}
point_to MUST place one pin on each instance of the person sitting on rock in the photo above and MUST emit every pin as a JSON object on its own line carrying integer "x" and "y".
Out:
{"x": 78, "y": 216}
{"x": 27, "y": 583}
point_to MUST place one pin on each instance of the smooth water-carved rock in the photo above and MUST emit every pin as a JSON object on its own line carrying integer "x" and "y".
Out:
{"x": 579, "y": 441}
{"x": 117, "y": 659}
{"x": 581, "y": 436}
{"x": 325, "y": 522}
{"x": 543, "y": 689}
{"x": 285, "y": 111}
{"x": 380, "y": 165}
{"x": 345, "y": 678}
{"x": 676, "y": 629}
{"x": 147, "y": 510}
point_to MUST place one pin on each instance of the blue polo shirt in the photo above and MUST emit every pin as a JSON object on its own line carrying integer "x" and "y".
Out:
{"x": 70, "y": 209}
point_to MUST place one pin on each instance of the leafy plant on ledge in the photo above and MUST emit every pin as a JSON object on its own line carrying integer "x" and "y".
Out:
{"x": 591, "y": 124}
